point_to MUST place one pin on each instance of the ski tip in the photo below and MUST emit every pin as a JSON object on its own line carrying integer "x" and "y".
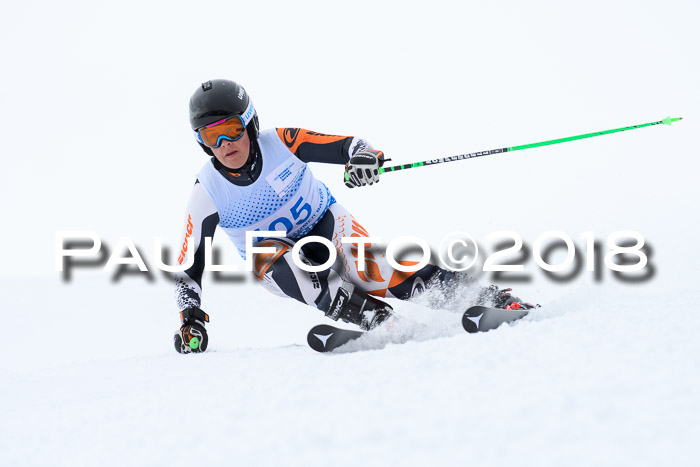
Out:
{"x": 325, "y": 338}
{"x": 669, "y": 120}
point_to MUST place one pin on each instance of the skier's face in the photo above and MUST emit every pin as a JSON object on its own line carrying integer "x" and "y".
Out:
{"x": 233, "y": 154}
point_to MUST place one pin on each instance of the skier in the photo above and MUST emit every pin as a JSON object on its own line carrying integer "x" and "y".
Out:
{"x": 260, "y": 180}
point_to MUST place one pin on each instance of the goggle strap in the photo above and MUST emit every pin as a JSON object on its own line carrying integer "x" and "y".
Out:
{"x": 247, "y": 116}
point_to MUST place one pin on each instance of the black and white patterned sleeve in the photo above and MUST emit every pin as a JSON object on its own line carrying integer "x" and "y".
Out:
{"x": 201, "y": 220}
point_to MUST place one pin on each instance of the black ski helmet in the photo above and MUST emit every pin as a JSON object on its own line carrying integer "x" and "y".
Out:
{"x": 221, "y": 98}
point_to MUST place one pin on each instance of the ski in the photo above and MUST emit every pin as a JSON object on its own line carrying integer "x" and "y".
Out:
{"x": 325, "y": 338}
{"x": 482, "y": 319}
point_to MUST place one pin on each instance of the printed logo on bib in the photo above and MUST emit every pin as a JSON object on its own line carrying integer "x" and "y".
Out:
{"x": 281, "y": 178}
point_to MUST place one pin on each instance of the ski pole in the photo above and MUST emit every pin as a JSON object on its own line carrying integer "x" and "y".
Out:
{"x": 665, "y": 121}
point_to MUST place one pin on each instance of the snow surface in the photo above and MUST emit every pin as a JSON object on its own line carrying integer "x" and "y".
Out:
{"x": 606, "y": 373}
{"x": 594, "y": 378}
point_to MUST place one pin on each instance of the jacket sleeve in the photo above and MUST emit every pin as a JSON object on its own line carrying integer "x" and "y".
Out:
{"x": 310, "y": 146}
{"x": 201, "y": 220}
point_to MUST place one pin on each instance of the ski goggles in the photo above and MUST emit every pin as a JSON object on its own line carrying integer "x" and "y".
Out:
{"x": 230, "y": 128}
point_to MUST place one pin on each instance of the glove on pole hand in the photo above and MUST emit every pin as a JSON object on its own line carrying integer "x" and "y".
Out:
{"x": 363, "y": 168}
{"x": 192, "y": 336}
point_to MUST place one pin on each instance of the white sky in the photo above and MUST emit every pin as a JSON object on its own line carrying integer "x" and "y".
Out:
{"x": 95, "y": 132}
{"x": 95, "y": 136}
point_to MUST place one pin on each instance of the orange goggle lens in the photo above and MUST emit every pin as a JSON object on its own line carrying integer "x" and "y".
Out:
{"x": 230, "y": 128}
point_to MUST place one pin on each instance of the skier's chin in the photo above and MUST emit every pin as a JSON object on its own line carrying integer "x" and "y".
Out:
{"x": 233, "y": 160}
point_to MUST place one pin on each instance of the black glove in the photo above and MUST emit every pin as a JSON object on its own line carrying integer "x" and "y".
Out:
{"x": 192, "y": 336}
{"x": 363, "y": 168}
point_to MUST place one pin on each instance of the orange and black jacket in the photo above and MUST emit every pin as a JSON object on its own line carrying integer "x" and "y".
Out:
{"x": 310, "y": 146}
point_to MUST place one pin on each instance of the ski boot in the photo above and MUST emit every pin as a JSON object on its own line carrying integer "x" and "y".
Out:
{"x": 501, "y": 298}
{"x": 355, "y": 306}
